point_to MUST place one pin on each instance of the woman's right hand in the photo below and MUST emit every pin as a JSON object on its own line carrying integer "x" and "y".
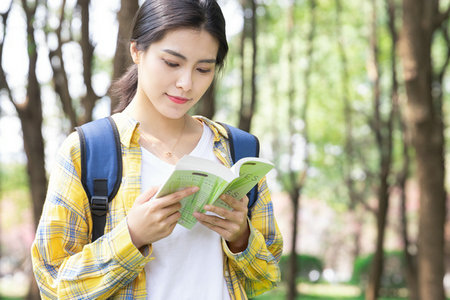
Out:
{"x": 150, "y": 220}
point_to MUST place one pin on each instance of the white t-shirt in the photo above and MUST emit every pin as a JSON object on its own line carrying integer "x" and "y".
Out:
{"x": 187, "y": 264}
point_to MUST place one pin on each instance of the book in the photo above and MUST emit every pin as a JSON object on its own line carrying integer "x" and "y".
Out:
{"x": 213, "y": 180}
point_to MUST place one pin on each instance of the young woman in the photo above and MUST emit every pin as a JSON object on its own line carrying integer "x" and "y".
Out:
{"x": 177, "y": 46}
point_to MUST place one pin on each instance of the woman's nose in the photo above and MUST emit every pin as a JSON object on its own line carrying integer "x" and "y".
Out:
{"x": 185, "y": 81}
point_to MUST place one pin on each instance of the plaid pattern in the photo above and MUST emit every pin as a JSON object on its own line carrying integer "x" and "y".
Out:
{"x": 67, "y": 266}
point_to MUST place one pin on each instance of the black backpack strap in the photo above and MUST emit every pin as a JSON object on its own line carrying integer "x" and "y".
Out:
{"x": 101, "y": 168}
{"x": 243, "y": 144}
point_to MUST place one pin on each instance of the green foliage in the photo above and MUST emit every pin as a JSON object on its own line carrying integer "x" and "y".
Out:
{"x": 13, "y": 178}
{"x": 393, "y": 270}
{"x": 309, "y": 268}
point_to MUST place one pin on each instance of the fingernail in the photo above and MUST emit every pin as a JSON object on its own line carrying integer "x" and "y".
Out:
{"x": 195, "y": 189}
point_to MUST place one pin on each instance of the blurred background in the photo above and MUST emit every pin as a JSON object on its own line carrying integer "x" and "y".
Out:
{"x": 350, "y": 99}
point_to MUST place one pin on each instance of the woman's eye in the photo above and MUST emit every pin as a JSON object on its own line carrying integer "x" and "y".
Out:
{"x": 170, "y": 64}
{"x": 202, "y": 70}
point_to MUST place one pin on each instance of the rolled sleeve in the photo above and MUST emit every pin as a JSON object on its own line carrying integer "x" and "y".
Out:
{"x": 256, "y": 268}
{"x": 127, "y": 255}
{"x": 244, "y": 258}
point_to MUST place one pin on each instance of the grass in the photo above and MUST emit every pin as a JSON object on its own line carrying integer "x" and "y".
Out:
{"x": 308, "y": 292}
{"x": 320, "y": 292}
{"x": 279, "y": 295}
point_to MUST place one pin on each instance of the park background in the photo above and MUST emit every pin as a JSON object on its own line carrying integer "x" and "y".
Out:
{"x": 349, "y": 98}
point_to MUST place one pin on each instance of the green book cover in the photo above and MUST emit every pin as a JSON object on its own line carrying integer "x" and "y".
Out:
{"x": 213, "y": 179}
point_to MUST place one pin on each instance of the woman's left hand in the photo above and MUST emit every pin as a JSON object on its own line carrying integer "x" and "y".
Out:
{"x": 232, "y": 225}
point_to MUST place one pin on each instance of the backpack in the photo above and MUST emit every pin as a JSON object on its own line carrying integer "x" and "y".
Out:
{"x": 101, "y": 164}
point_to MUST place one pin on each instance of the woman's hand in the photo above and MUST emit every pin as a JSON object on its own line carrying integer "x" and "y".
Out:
{"x": 150, "y": 220}
{"x": 232, "y": 225}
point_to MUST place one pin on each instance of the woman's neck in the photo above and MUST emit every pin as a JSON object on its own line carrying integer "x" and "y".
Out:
{"x": 167, "y": 138}
{"x": 153, "y": 123}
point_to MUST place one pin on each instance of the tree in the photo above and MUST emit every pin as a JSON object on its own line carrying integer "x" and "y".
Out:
{"x": 78, "y": 111}
{"x": 403, "y": 175}
{"x": 249, "y": 31}
{"x": 29, "y": 111}
{"x": 383, "y": 137}
{"x": 207, "y": 104}
{"x": 296, "y": 179}
{"x": 421, "y": 20}
{"x": 122, "y": 57}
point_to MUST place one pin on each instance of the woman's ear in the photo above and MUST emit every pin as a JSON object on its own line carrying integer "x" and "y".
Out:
{"x": 135, "y": 53}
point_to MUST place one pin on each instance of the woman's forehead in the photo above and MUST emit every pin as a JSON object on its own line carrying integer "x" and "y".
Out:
{"x": 190, "y": 43}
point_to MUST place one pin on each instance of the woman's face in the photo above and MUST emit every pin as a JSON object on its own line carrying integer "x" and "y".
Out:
{"x": 176, "y": 71}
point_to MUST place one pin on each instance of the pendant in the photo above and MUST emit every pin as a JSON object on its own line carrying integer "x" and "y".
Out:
{"x": 168, "y": 154}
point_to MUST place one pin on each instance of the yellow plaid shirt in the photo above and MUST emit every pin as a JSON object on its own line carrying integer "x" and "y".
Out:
{"x": 67, "y": 266}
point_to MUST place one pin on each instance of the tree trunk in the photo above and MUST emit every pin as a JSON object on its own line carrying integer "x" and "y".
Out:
{"x": 383, "y": 137}
{"x": 410, "y": 260}
{"x": 410, "y": 270}
{"x": 293, "y": 267}
{"x": 122, "y": 57}
{"x": 60, "y": 79}
{"x": 242, "y": 56}
{"x": 298, "y": 178}
{"x": 376, "y": 270}
{"x": 427, "y": 135}
{"x": 207, "y": 105}
{"x": 30, "y": 115}
{"x": 90, "y": 98}
{"x": 247, "y": 109}
{"x": 294, "y": 192}
{"x": 31, "y": 121}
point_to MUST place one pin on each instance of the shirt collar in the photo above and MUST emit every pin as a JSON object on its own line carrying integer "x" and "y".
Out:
{"x": 218, "y": 130}
{"x": 127, "y": 127}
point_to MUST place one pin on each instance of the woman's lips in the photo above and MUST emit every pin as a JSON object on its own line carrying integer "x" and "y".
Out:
{"x": 178, "y": 100}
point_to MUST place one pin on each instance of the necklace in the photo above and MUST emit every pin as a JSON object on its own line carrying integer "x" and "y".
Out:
{"x": 171, "y": 152}
{"x": 168, "y": 153}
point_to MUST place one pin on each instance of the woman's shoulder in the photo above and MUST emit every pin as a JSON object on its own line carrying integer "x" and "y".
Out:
{"x": 71, "y": 142}
{"x": 67, "y": 159}
{"x": 70, "y": 148}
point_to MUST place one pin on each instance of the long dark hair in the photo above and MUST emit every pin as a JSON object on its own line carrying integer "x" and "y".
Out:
{"x": 154, "y": 19}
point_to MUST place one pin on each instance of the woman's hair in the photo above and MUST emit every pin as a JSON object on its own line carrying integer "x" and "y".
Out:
{"x": 154, "y": 19}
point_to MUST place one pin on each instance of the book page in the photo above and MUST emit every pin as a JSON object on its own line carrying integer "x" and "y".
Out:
{"x": 211, "y": 186}
{"x": 189, "y": 162}
{"x": 251, "y": 171}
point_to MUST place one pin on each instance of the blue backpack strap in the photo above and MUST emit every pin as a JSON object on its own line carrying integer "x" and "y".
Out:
{"x": 243, "y": 144}
{"x": 101, "y": 168}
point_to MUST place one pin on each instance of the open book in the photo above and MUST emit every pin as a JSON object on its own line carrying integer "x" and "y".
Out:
{"x": 213, "y": 179}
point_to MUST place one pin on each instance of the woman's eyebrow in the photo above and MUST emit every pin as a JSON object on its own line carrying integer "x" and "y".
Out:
{"x": 174, "y": 53}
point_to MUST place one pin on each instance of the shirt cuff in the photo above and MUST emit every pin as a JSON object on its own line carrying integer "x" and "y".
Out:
{"x": 128, "y": 256}
{"x": 244, "y": 258}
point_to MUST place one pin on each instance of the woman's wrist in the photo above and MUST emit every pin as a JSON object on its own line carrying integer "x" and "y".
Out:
{"x": 134, "y": 239}
{"x": 241, "y": 243}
